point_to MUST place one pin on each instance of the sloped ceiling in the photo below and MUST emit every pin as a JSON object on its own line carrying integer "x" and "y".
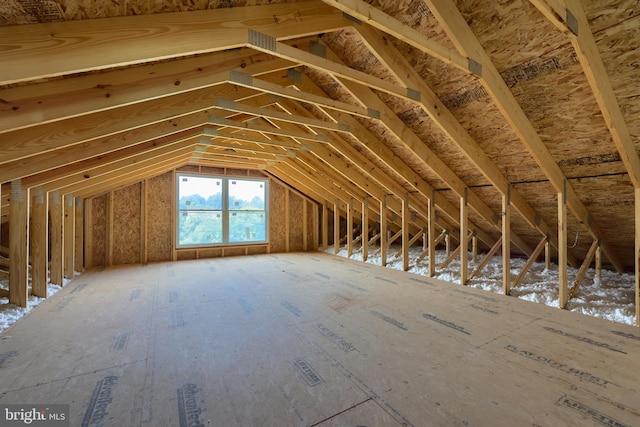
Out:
{"x": 489, "y": 101}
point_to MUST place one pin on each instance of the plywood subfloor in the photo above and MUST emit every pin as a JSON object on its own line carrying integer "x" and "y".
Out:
{"x": 313, "y": 340}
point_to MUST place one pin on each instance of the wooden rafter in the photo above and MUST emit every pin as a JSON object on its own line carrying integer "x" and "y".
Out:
{"x": 393, "y": 123}
{"x": 374, "y": 17}
{"x": 447, "y": 122}
{"x": 72, "y": 47}
{"x": 467, "y": 43}
{"x": 594, "y": 69}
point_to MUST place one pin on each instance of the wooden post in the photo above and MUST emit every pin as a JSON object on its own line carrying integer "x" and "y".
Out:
{"x": 547, "y": 256}
{"x": 562, "y": 247}
{"x": 79, "y": 235}
{"x": 39, "y": 241}
{"x": 637, "y": 257}
{"x": 174, "y": 220}
{"x": 383, "y": 231}
{"x": 506, "y": 241}
{"x": 447, "y": 243}
{"x": 464, "y": 243}
{"x": 431, "y": 225}
{"x": 88, "y": 233}
{"x": 350, "y": 228}
{"x": 287, "y": 219}
{"x": 599, "y": 262}
{"x": 474, "y": 247}
{"x": 325, "y": 226}
{"x": 406, "y": 214}
{"x": 55, "y": 214}
{"x": 109, "y": 220}
{"x": 336, "y": 227}
{"x": 143, "y": 221}
{"x": 18, "y": 244}
{"x": 365, "y": 229}
{"x": 315, "y": 227}
{"x": 69, "y": 240}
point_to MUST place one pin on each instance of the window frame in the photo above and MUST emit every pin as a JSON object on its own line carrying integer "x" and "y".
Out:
{"x": 225, "y": 210}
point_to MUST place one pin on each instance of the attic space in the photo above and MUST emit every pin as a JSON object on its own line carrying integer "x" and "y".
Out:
{"x": 474, "y": 147}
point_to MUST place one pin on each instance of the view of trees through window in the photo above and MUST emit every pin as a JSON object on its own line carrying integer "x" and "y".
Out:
{"x": 221, "y": 210}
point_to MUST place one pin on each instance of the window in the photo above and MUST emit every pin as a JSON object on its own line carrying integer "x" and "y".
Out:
{"x": 220, "y": 210}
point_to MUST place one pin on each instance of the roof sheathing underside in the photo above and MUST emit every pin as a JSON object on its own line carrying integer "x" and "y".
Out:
{"x": 538, "y": 64}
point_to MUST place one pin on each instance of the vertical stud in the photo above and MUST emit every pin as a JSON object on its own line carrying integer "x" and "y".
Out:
{"x": 69, "y": 240}
{"x": 506, "y": 241}
{"x": 18, "y": 244}
{"x": 562, "y": 246}
{"x": 350, "y": 228}
{"x": 55, "y": 213}
{"x": 464, "y": 241}
{"x": 383, "y": 231}
{"x": 405, "y": 232}
{"x": 336, "y": 227}
{"x": 431, "y": 224}
{"x": 365, "y": 229}
{"x": 38, "y": 233}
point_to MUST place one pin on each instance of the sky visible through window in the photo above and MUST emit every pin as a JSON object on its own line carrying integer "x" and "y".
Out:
{"x": 205, "y": 187}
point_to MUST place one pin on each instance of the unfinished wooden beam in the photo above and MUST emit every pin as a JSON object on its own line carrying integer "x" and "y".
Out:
{"x": 380, "y": 20}
{"x": 18, "y": 244}
{"x": 88, "y": 233}
{"x": 412, "y": 241}
{"x": 431, "y": 231}
{"x": 594, "y": 69}
{"x": 562, "y": 249}
{"x": 403, "y": 71}
{"x": 56, "y": 236}
{"x": 449, "y": 124}
{"x": 464, "y": 242}
{"x": 583, "y": 270}
{"x": 59, "y": 99}
{"x": 486, "y": 259}
{"x": 599, "y": 263}
{"x": 637, "y": 254}
{"x": 69, "y": 239}
{"x": 474, "y": 248}
{"x": 383, "y": 231}
{"x": 336, "y": 227}
{"x": 468, "y": 44}
{"x": 325, "y": 226}
{"x": 350, "y": 228}
{"x": 529, "y": 263}
{"x": 126, "y": 40}
{"x": 506, "y": 241}
{"x": 454, "y": 253}
{"x": 267, "y": 44}
{"x": 365, "y": 229}
{"x": 79, "y": 234}
{"x": 39, "y": 235}
{"x": 406, "y": 214}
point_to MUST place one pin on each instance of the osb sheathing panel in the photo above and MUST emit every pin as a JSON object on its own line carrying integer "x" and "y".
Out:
{"x": 183, "y": 255}
{"x": 99, "y": 230}
{"x": 159, "y": 228}
{"x": 296, "y": 221}
{"x": 126, "y": 224}
{"x": 277, "y": 217}
{"x": 617, "y": 33}
{"x": 311, "y": 207}
{"x": 31, "y": 11}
